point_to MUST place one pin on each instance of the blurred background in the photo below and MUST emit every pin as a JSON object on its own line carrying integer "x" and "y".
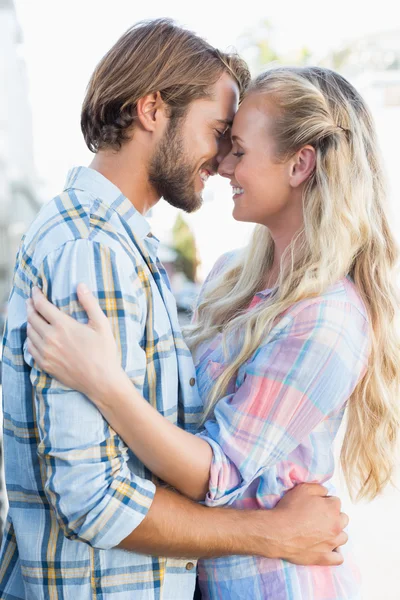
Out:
{"x": 48, "y": 50}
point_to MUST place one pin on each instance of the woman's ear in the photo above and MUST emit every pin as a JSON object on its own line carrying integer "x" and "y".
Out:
{"x": 151, "y": 111}
{"x": 302, "y": 165}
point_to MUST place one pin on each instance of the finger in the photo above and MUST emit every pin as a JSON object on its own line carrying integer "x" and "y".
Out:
{"x": 334, "y": 501}
{"x": 35, "y": 338}
{"x": 33, "y": 351}
{"x": 334, "y": 559}
{"x": 328, "y": 559}
{"x": 45, "y": 308}
{"x": 340, "y": 540}
{"x": 90, "y": 304}
{"x": 37, "y": 322}
{"x": 315, "y": 489}
{"x": 344, "y": 520}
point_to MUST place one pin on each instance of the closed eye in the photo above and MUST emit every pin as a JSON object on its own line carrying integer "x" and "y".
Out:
{"x": 221, "y": 134}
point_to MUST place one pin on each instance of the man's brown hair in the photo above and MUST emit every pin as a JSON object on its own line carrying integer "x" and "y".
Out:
{"x": 152, "y": 56}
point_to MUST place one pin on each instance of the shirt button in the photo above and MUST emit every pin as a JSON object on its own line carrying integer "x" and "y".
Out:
{"x": 150, "y": 235}
{"x": 192, "y": 381}
{"x": 189, "y": 566}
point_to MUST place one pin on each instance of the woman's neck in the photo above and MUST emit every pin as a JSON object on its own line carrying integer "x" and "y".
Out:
{"x": 272, "y": 276}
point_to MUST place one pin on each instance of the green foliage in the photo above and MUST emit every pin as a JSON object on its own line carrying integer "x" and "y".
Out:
{"x": 184, "y": 245}
{"x": 339, "y": 58}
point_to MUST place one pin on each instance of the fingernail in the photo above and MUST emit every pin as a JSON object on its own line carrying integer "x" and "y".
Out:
{"x": 35, "y": 290}
{"x": 84, "y": 288}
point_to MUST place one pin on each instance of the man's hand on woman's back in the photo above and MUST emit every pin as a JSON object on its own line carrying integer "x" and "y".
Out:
{"x": 307, "y": 527}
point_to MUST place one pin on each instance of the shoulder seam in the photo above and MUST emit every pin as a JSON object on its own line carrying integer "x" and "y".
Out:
{"x": 328, "y": 301}
{"x": 75, "y": 241}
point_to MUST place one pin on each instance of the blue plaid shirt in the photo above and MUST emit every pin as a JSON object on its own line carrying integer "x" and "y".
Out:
{"x": 75, "y": 490}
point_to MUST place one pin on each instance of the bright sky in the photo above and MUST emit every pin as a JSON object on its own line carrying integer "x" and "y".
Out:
{"x": 64, "y": 39}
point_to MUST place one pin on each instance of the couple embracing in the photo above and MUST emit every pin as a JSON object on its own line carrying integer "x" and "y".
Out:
{"x": 137, "y": 457}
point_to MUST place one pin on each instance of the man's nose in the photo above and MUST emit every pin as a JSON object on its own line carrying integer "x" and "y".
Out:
{"x": 224, "y": 147}
{"x": 226, "y": 166}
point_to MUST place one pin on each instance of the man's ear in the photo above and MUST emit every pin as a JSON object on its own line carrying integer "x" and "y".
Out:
{"x": 151, "y": 111}
{"x": 302, "y": 165}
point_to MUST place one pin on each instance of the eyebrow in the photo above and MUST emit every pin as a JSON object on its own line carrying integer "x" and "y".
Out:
{"x": 226, "y": 122}
{"x": 236, "y": 137}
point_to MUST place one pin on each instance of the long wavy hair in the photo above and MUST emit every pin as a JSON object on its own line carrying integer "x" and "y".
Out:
{"x": 346, "y": 232}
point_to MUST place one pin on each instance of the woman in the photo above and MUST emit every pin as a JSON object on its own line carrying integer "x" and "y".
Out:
{"x": 287, "y": 333}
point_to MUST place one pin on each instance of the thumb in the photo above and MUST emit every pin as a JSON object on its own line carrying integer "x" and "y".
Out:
{"x": 90, "y": 304}
{"x": 315, "y": 489}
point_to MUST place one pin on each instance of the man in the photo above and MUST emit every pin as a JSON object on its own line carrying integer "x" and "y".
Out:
{"x": 156, "y": 112}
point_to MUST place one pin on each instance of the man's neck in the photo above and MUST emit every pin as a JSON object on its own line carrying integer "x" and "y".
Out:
{"x": 128, "y": 172}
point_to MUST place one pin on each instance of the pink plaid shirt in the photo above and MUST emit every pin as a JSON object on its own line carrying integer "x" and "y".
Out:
{"x": 275, "y": 428}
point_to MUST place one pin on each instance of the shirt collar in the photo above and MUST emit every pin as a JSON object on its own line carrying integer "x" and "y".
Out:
{"x": 89, "y": 180}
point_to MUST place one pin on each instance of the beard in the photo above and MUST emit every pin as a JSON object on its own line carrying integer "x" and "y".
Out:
{"x": 171, "y": 173}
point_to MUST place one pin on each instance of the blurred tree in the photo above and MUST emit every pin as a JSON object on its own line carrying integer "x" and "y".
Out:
{"x": 184, "y": 245}
{"x": 256, "y": 46}
{"x": 304, "y": 56}
{"x": 266, "y": 52}
{"x": 376, "y": 52}
{"x": 340, "y": 58}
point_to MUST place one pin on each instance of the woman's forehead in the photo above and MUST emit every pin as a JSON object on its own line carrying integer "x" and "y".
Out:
{"x": 254, "y": 113}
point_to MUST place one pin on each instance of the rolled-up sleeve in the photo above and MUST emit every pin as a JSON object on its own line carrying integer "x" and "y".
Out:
{"x": 305, "y": 373}
{"x": 96, "y": 498}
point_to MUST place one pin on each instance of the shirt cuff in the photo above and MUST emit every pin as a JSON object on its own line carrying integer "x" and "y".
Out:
{"x": 129, "y": 504}
{"x": 225, "y": 481}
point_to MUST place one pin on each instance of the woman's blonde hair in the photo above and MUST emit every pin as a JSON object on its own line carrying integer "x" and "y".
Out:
{"x": 346, "y": 232}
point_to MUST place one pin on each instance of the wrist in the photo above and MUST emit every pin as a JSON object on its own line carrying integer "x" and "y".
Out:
{"x": 106, "y": 392}
{"x": 263, "y": 528}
